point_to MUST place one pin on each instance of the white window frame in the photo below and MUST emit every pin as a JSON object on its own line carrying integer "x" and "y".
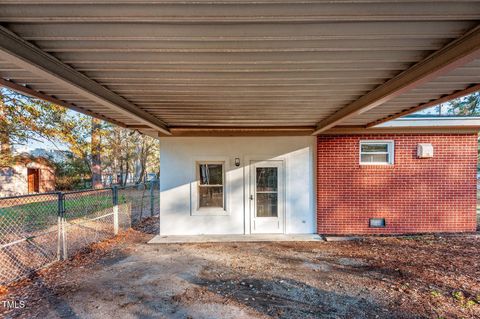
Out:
{"x": 390, "y": 151}
{"x": 209, "y": 210}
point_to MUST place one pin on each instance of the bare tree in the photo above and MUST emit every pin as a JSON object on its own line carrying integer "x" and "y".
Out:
{"x": 96, "y": 152}
{"x": 5, "y": 150}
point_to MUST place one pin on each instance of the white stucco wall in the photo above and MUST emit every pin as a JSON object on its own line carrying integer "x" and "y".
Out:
{"x": 178, "y": 182}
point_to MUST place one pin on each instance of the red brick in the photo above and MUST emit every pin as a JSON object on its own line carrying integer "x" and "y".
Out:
{"x": 414, "y": 195}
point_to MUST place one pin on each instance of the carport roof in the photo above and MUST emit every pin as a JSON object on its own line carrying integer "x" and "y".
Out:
{"x": 241, "y": 67}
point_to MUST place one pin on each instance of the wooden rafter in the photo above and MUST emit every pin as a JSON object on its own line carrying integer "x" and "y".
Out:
{"x": 457, "y": 53}
{"x": 27, "y": 56}
{"x": 419, "y": 107}
{"x": 39, "y": 95}
{"x": 242, "y": 131}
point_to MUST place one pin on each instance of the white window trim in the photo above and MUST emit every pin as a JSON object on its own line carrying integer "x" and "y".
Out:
{"x": 390, "y": 152}
{"x": 196, "y": 210}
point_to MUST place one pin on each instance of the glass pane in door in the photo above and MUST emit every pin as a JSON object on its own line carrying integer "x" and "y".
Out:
{"x": 267, "y": 205}
{"x": 267, "y": 179}
{"x": 267, "y": 191}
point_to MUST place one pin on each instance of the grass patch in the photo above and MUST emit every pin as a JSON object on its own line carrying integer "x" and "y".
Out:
{"x": 39, "y": 215}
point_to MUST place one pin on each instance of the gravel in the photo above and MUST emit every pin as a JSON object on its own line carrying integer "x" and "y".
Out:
{"x": 373, "y": 277}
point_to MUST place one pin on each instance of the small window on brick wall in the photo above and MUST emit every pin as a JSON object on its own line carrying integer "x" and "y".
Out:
{"x": 376, "y": 152}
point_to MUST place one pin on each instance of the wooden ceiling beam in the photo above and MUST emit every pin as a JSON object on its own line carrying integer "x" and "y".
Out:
{"x": 241, "y": 131}
{"x": 39, "y": 95}
{"x": 469, "y": 90}
{"x": 16, "y": 50}
{"x": 459, "y": 52}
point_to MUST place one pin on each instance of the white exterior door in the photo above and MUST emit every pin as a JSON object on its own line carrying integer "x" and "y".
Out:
{"x": 267, "y": 197}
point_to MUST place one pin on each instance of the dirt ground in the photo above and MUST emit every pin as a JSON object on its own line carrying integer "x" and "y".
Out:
{"x": 413, "y": 277}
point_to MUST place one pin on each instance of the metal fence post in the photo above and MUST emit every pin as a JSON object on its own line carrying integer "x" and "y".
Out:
{"x": 152, "y": 199}
{"x": 115, "y": 209}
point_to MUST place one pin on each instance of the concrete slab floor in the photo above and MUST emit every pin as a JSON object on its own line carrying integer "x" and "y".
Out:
{"x": 233, "y": 238}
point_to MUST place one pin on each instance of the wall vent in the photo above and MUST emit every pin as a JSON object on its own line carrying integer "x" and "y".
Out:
{"x": 425, "y": 150}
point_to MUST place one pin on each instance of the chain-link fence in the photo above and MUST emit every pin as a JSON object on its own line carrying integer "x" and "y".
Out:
{"x": 37, "y": 230}
{"x": 28, "y": 234}
{"x": 88, "y": 218}
{"x": 143, "y": 198}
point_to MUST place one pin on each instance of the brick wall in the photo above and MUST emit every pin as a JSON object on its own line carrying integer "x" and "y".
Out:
{"x": 414, "y": 195}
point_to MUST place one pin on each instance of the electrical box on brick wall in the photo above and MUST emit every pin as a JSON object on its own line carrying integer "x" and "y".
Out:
{"x": 425, "y": 150}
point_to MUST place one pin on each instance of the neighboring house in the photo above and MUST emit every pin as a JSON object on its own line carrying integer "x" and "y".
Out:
{"x": 268, "y": 112}
{"x": 54, "y": 155}
{"x": 27, "y": 175}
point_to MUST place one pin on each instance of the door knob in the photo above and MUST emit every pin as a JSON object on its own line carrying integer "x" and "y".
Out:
{"x": 251, "y": 197}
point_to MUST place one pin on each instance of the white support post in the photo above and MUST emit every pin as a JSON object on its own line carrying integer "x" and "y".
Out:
{"x": 61, "y": 235}
{"x": 115, "y": 219}
{"x": 59, "y": 238}
{"x": 64, "y": 238}
{"x": 115, "y": 210}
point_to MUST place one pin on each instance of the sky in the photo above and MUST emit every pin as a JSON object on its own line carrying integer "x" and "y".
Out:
{"x": 42, "y": 143}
